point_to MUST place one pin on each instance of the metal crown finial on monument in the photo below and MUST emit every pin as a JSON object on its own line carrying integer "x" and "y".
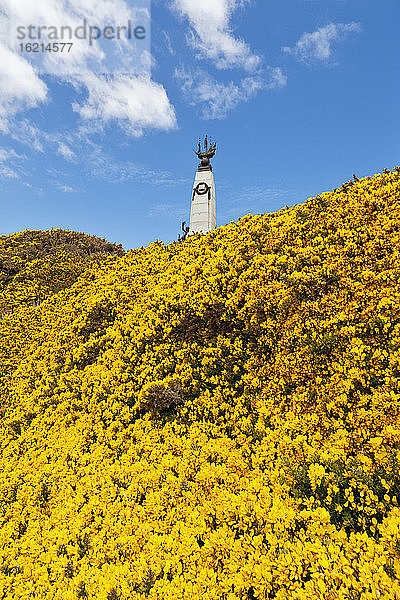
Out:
{"x": 205, "y": 154}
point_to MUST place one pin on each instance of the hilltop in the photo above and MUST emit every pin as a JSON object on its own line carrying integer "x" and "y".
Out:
{"x": 36, "y": 264}
{"x": 214, "y": 419}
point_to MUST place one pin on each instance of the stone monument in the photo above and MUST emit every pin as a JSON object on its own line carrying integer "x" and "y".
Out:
{"x": 203, "y": 212}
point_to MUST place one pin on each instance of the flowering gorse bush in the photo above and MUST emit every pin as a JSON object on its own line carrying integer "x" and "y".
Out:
{"x": 36, "y": 264}
{"x": 214, "y": 419}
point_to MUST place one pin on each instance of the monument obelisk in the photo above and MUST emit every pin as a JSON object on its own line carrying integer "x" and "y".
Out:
{"x": 203, "y": 212}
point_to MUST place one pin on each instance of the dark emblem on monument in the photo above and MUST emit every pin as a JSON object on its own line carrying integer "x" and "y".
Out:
{"x": 201, "y": 189}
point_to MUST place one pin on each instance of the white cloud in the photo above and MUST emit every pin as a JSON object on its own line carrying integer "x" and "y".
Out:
{"x": 101, "y": 165}
{"x": 212, "y": 37}
{"x": 66, "y": 151}
{"x": 254, "y": 199}
{"x": 20, "y": 86}
{"x": 10, "y": 164}
{"x": 9, "y": 154}
{"x": 30, "y": 135}
{"x": 135, "y": 103}
{"x": 218, "y": 98}
{"x": 7, "y": 172}
{"x": 211, "y": 34}
{"x": 132, "y": 100}
{"x": 168, "y": 43}
{"x": 317, "y": 46}
{"x": 67, "y": 189}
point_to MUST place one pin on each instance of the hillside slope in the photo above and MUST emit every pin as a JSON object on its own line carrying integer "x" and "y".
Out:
{"x": 214, "y": 419}
{"x": 35, "y": 264}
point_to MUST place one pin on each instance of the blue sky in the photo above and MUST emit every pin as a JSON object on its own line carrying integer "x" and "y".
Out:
{"x": 298, "y": 94}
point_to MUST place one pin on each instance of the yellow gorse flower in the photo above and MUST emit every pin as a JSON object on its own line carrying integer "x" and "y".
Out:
{"x": 214, "y": 419}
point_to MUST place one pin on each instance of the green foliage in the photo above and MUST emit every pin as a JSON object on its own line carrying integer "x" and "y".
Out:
{"x": 356, "y": 499}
